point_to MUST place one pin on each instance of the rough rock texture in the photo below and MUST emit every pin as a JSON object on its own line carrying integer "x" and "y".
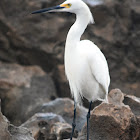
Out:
{"x": 10, "y": 132}
{"x": 116, "y": 97}
{"x": 64, "y": 107}
{"x": 110, "y": 122}
{"x": 4, "y": 133}
{"x": 119, "y": 120}
{"x": 19, "y": 133}
{"x": 22, "y": 89}
{"x": 48, "y": 126}
{"x": 36, "y": 40}
{"x": 134, "y": 104}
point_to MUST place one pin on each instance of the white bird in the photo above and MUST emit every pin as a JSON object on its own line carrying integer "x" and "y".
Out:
{"x": 85, "y": 65}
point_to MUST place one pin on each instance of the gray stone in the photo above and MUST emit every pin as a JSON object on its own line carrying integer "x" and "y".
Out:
{"x": 116, "y": 97}
{"x": 11, "y": 132}
{"x": 19, "y": 133}
{"x": 22, "y": 89}
{"x": 64, "y": 107}
{"x": 133, "y": 102}
{"x": 48, "y": 125}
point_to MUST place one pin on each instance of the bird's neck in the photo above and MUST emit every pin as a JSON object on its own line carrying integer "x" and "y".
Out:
{"x": 77, "y": 29}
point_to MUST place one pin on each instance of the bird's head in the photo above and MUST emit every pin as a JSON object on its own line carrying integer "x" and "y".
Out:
{"x": 72, "y": 6}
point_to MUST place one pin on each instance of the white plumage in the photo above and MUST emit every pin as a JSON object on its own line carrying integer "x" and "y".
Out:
{"x": 85, "y": 65}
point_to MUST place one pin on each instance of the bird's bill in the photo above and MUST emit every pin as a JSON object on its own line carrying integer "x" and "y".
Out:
{"x": 51, "y": 9}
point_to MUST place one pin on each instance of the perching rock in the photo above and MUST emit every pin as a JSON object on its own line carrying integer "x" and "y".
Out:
{"x": 22, "y": 89}
{"x": 48, "y": 126}
{"x": 110, "y": 122}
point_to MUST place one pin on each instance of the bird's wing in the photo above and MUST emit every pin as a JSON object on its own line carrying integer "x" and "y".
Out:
{"x": 97, "y": 63}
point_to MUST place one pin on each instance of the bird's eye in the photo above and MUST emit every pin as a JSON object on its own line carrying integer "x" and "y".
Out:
{"x": 69, "y": 5}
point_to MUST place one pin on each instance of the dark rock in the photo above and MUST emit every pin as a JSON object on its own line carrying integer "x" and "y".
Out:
{"x": 20, "y": 133}
{"x": 62, "y": 131}
{"x": 64, "y": 107}
{"x": 39, "y": 120}
{"x": 22, "y": 89}
{"x": 4, "y": 133}
{"x": 61, "y": 81}
{"x": 48, "y": 125}
{"x": 109, "y": 122}
{"x": 134, "y": 104}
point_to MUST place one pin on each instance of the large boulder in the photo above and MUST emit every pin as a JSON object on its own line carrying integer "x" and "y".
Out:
{"x": 22, "y": 89}
{"x": 119, "y": 119}
{"x": 109, "y": 122}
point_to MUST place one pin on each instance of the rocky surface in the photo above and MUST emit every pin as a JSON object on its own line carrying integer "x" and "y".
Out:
{"x": 22, "y": 89}
{"x": 4, "y": 133}
{"x": 48, "y": 126}
{"x": 120, "y": 119}
{"x": 110, "y": 122}
{"x": 11, "y": 132}
{"x": 116, "y": 120}
{"x": 134, "y": 104}
{"x": 36, "y": 40}
{"x": 116, "y": 97}
{"x": 64, "y": 107}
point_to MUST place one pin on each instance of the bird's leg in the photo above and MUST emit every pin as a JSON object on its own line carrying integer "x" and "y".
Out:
{"x": 74, "y": 123}
{"x": 88, "y": 116}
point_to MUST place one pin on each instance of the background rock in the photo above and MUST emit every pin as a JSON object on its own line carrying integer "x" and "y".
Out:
{"x": 22, "y": 89}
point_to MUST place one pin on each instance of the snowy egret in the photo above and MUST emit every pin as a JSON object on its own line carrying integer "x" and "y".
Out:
{"x": 85, "y": 65}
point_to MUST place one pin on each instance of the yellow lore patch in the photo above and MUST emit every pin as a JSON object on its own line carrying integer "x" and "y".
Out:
{"x": 66, "y": 5}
